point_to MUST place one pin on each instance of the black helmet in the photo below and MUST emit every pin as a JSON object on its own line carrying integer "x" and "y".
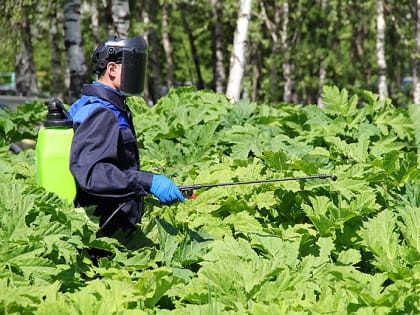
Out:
{"x": 131, "y": 53}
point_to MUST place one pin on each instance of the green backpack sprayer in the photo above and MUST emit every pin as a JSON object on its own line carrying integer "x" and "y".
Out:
{"x": 53, "y": 152}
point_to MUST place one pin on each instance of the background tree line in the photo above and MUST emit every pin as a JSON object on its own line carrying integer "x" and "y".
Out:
{"x": 265, "y": 50}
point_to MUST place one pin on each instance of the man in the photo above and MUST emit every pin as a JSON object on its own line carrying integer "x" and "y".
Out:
{"x": 104, "y": 158}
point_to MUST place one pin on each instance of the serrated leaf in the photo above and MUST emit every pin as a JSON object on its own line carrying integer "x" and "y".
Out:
{"x": 318, "y": 214}
{"x": 154, "y": 284}
{"x": 397, "y": 122}
{"x": 381, "y": 238}
{"x": 414, "y": 114}
{"x": 410, "y": 227}
{"x": 281, "y": 251}
{"x": 277, "y": 160}
{"x": 242, "y": 222}
{"x": 36, "y": 268}
{"x": 326, "y": 245}
{"x": 385, "y": 145}
{"x": 168, "y": 241}
{"x": 348, "y": 187}
{"x": 349, "y": 257}
{"x": 191, "y": 249}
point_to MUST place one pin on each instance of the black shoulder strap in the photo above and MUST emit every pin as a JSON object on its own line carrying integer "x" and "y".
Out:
{"x": 113, "y": 98}
{"x": 105, "y": 94}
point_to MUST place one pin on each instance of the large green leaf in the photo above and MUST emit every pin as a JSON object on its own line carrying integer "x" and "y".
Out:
{"x": 379, "y": 235}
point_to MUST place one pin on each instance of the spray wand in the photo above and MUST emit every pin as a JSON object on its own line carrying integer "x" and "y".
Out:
{"x": 188, "y": 190}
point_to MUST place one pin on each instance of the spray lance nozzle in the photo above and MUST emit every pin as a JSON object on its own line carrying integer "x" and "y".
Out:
{"x": 57, "y": 115}
{"x": 188, "y": 190}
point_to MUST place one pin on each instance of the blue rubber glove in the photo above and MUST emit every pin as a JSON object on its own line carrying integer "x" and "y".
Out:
{"x": 165, "y": 189}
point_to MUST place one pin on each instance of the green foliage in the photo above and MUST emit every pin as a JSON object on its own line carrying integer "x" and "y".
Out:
{"x": 23, "y": 123}
{"x": 336, "y": 36}
{"x": 318, "y": 246}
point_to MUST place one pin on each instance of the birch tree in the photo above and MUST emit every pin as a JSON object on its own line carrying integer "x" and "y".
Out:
{"x": 360, "y": 34}
{"x": 120, "y": 18}
{"x": 26, "y": 83}
{"x": 322, "y": 66}
{"x": 154, "y": 89}
{"x": 416, "y": 70}
{"x": 256, "y": 65}
{"x": 238, "y": 54}
{"x": 74, "y": 49}
{"x": 57, "y": 84}
{"x": 287, "y": 64}
{"x": 380, "y": 50}
{"x": 279, "y": 29}
{"x": 193, "y": 47}
{"x": 117, "y": 17}
{"x": 219, "y": 73}
{"x": 274, "y": 28}
{"x": 167, "y": 47}
{"x": 94, "y": 21}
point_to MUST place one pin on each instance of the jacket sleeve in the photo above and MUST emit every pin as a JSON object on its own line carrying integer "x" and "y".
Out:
{"x": 94, "y": 159}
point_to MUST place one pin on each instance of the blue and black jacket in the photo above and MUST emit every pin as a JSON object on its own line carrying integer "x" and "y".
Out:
{"x": 104, "y": 158}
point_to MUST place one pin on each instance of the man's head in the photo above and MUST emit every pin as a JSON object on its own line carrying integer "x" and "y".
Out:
{"x": 123, "y": 61}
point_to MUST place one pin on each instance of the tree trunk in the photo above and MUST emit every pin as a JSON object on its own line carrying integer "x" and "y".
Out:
{"x": 322, "y": 64}
{"x": 295, "y": 98}
{"x": 275, "y": 51}
{"x": 360, "y": 33}
{"x": 256, "y": 70}
{"x": 155, "y": 84}
{"x": 167, "y": 47}
{"x": 140, "y": 12}
{"x": 219, "y": 73}
{"x": 26, "y": 83}
{"x": 238, "y": 55}
{"x": 380, "y": 50}
{"x": 74, "y": 49}
{"x": 289, "y": 84}
{"x": 120, "y": 18}
{"x": 194, "y": 53}
{"x": 94, "y": 21}
{"x": 416, "y": 72}
{"x": 57, "y": 88}
{"x": 273, "y": 27}
{"x": 109, "y": 20}
{"x": 322, "y": 76}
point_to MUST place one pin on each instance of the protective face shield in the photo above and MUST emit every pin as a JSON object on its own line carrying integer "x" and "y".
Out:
{"x": 131, "y": 53}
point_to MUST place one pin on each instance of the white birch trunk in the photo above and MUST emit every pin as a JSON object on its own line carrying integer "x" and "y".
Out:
{"x": 219, "y": 73}
{"x": 380, "y": 50}
{"x": 322, "y": 67}
{"x": 121, "y": 17}
{"x": 275, "y": 51}
{"x": 416, "y": 71}
{"x": 276, "y": 33}
{"x": 146, "y": 20}
{"x": 256, "y": 71}
{"x": 95, "y": 22}
{"x": 25, "y": 74}
{"x": 57, "y": 84}
{"x": 154, "y": 86}
{"x": 287, "y": 66}
{"x": 322, "y": 76}
{"x": 74, "y": 50}
{"x": 167, "y": 47}
{"x": 238, "y": 55}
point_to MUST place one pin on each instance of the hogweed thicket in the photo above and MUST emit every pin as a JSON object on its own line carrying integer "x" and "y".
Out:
{"x": 304, "y": 247}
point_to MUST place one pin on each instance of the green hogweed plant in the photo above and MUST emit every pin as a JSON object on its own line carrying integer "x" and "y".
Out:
{"x": 350, "y": 246}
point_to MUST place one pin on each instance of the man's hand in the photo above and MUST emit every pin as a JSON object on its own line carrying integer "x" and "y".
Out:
{"x": 165, "y": 189}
